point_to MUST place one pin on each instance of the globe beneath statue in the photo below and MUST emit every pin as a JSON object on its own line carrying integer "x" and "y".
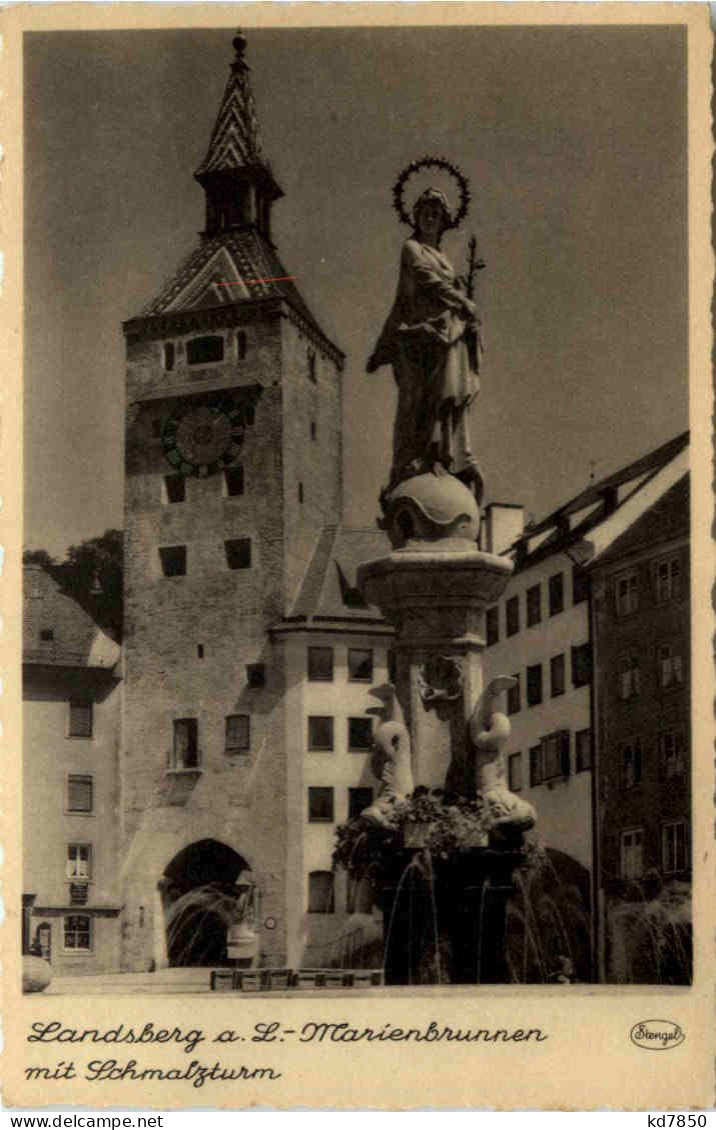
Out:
{"x": 431, "y": 508}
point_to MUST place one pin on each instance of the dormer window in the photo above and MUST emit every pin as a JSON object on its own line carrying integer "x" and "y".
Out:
{"x": 205, "y": 350}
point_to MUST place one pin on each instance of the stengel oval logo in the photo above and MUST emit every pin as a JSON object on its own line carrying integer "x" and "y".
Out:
{"x": 657, "y": 1035}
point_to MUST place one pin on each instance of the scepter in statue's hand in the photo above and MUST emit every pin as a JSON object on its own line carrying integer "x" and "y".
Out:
{"x": 475, "y": 263}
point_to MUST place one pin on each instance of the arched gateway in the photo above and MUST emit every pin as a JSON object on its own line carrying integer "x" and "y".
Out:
{"x": 207, "y": 888}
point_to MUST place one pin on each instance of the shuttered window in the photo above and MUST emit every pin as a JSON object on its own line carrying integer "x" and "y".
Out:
{"x": 80, "y": 792}
{"x": 80, "y": 719}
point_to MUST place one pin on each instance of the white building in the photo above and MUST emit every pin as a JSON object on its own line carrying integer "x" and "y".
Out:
{"x": 540, "y": 632}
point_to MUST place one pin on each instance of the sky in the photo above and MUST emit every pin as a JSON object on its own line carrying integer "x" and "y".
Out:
{"x": 573, "y": 140}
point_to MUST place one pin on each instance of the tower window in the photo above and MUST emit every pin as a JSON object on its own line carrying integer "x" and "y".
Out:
{"x": 360, "y": 664}
{"x": 80, "y": 792}
{"x": 47, "y": 635}
{"x": 169, "y": 356}
{"x": 320, "y": 733}
{"x": 238, "y": 733}
{"x": 80, "y": 720}
{"x": 256, "y": 675}
{"x": 234, "y": 480}
{"x": 205, "y": 350}
{"x": 320, "y": 805}
{"x": 238, "y": 553}
{"x": 185, "y": 747}
{"x": 320, "y": 664}
{"x": 174, "y": 488}
{"x": 360, "y": 734}
{"x": 312, "y": 364}
{"x": 314, "y": 430}
{"x": 173, "y": 559}
{"x": 300, "y": 492}
{"x": 200, "y": 651}
{"x": 320, "y": 892}
{"x": 241, "y": 345}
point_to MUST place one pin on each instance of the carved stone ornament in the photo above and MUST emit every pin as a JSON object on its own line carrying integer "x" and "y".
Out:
{"x": 440, "y": 681}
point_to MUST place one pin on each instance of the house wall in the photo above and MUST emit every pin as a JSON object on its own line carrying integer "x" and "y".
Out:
{"x": 662, "y": 794}
{"x": 50, "y": 755}
{"x": 564, "y": 807}
{"x": 324, "y": 938}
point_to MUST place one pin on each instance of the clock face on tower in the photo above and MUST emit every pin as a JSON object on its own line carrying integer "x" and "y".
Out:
{"x": 201, "y": 439}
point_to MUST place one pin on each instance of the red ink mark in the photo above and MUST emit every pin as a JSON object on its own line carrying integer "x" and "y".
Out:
{"x": 254, "y": 282}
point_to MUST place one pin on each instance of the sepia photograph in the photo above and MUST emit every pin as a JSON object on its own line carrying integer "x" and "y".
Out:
{"x": 358, "y": 582}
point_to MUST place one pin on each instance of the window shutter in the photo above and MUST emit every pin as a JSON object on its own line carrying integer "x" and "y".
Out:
{"x": 79, "y": 790}
{"x": 80, "y": 719}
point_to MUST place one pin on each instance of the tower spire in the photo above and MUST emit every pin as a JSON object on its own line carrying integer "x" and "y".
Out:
{"x": 235, "y": 173}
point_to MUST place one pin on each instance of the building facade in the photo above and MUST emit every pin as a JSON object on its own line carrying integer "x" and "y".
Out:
{"x": 543, "y": 631}
{"x": 641, "y": 618}
{"x": 71, "y": 717}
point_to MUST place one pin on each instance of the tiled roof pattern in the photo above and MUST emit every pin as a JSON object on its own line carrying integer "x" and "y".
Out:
{"x": 329, "y": 587}
{"x": 76, "y": 640}
{"x": 256, "y": 263}
{"x": 236, "y": 140}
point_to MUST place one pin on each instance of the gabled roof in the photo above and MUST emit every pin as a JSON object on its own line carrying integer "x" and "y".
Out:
{"x": 238, "y": 267}
{"x": 618, "y": 499}
{"x": 329, "y": 590}
{"x": 667, "y": 519}
{"x": 76, "y": 640}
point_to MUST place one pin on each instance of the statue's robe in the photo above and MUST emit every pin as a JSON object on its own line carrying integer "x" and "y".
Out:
{"x": 432, "y": 345}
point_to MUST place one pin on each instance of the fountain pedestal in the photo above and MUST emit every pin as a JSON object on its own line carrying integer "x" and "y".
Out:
{"x": 436, "y": 595}
{"x": 444, "y": 918}
{"x": 434, "y": 588}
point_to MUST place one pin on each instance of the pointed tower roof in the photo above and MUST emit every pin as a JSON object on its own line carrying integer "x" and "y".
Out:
{"x": 236, "y": 262}
{"x": 236, "y": 145}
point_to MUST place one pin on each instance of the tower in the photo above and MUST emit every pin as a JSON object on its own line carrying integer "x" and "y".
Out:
{"x": 233, "y": 465}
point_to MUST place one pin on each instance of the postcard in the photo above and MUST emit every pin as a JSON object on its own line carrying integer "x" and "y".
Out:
{"x": 357, "y": 680}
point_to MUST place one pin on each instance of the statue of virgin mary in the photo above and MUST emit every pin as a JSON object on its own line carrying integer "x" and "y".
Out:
{"x": 432, "y": 341}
